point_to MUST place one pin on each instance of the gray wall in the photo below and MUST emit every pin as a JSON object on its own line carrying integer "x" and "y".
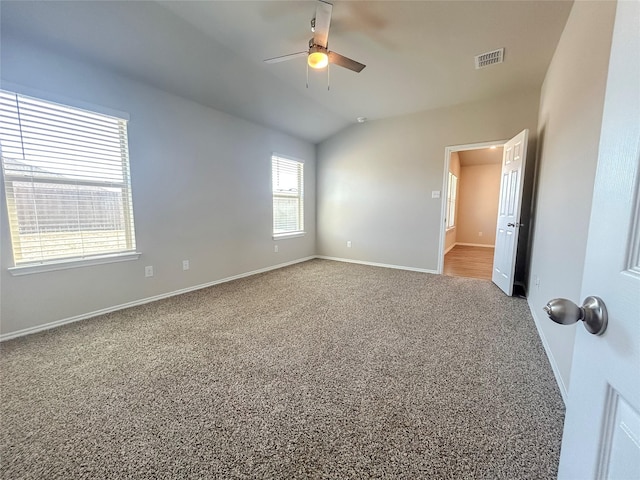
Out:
{"x": 201, "y": 185}
{"x": 375, "y": 179}
{"x": 569, "y": 130}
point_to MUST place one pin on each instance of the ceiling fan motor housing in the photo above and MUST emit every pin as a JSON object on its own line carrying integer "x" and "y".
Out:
{"x": 316, "y": 48}
{"x": 318, "y": 55}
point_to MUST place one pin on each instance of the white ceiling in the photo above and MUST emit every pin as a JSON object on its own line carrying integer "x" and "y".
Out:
{"x": 419, "y": 54}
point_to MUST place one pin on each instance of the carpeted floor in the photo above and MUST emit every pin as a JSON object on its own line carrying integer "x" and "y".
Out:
{"x": 318, "y": 370}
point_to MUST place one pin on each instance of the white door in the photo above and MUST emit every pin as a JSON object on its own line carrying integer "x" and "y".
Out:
{"x": 504, "y": 258}
{"x": 602, "y": 425}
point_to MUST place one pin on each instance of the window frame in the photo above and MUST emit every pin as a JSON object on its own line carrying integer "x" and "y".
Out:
{"x": 299, "y": 232}
{"x": 452, "y": 197}
{"x": 126, "y": 203}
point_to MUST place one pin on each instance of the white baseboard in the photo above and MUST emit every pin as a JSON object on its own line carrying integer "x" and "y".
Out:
{"x": 547, "y": 349}
{"x": 375, "y": 264}
{"x": 475, "y": 245}
{"x": 449, "y": 249}
{"x": 48, "y": 326}
{"x": 84, "y": 316}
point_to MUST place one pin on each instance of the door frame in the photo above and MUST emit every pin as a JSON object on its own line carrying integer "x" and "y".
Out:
{"x": 445, "y": 185}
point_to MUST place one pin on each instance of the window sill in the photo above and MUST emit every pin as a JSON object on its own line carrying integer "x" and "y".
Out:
{"x": 67, "y": 264}
{"x": 280, "y": 236}
{"x": 451, "y": 228}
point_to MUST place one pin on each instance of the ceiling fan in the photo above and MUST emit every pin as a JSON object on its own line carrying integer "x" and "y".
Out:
{"x": 318, "y": 55}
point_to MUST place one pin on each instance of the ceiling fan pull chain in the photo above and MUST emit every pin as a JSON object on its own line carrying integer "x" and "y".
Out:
{"x": 328, "y": 82}
{"x": 307, "y": 75}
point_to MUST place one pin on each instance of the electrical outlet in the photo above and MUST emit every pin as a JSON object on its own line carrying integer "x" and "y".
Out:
{"x": 348, "y": 243}
{"x": 185, "y": 264}
{"x": 479, "y": 234}
{"x": 536, "y": 280}
{"x": 148, "y": 271}
{"x": 275, "y": 248}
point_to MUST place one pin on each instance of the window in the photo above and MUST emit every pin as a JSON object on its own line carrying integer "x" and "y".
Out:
{"x": 288, "y": 211}
{"x": 66, "y": 177}
{"x": 452, "y": 193}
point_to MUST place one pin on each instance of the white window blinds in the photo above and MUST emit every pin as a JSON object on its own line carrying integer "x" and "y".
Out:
{"x": 66, "y": 177}
{"x": 288, "y": 211}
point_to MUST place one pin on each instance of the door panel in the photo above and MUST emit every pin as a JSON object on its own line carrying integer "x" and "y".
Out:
{"x": 513, "y": 164}
{"x": 620, "y": 451}
{"x": 601, "y": 436}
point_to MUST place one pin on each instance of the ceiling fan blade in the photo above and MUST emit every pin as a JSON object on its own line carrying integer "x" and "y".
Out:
{"x": 284, "y": 58}
{"x": 345, "y": 62}
{"x": 323, "y": 20}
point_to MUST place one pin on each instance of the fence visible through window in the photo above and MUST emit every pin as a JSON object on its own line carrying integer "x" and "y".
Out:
{"x": 66, "y": 174}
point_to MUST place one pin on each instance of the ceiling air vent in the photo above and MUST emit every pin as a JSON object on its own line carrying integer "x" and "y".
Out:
{"x": 489, "y": 58}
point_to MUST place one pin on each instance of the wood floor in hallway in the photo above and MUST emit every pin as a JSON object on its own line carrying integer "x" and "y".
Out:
{"x": 466, "y": 261}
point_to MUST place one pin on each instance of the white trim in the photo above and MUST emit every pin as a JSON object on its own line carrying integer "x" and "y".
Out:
{"x": 375, "y": 264}
{"x": 282, "y": 236}
{"x": 74, "y": 263}
{"x": 58, "y": 323}
{"x": 84, "y": 316}
{"x": 547, "y": 349}
{"x": 300, "y": 196}
{"x": 475, "y": 245}
{"x": 443, "y": 208}
{"x": 475, "y": 146}
{"x": 450, "y": 248}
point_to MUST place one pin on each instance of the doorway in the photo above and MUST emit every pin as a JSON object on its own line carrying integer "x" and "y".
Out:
{"x": 470, "y": 204}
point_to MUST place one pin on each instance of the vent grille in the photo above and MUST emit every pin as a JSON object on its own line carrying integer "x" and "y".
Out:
{"x": 489, "y": 58}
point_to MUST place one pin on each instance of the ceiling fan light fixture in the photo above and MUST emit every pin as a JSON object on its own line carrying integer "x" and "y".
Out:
{"x": 318, "y": 57}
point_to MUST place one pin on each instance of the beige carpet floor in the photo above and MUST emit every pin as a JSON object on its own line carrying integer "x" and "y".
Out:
{"x": 318, "y": 370}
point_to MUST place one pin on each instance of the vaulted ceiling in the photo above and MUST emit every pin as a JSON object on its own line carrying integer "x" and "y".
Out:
{"x": 419, "y": 54}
